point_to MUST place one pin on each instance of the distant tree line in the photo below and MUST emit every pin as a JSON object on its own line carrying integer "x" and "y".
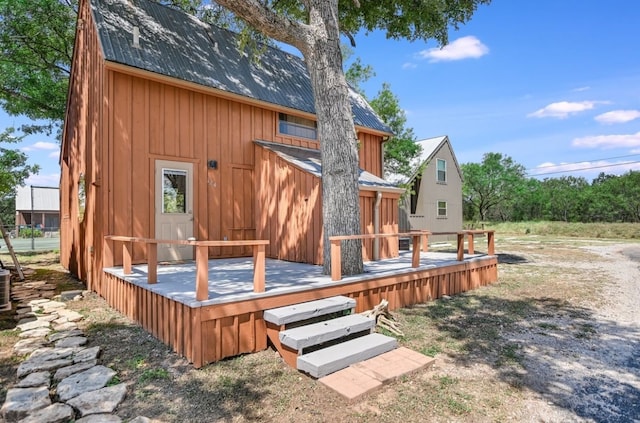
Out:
{"x": 497, "y": 189}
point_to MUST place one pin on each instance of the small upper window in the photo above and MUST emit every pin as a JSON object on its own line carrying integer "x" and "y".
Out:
{"x": 441, "y": 171}
{"x": 298, "y": 126}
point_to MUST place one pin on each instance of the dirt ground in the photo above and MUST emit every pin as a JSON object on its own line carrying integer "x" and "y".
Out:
{"x": 557, "y": 339}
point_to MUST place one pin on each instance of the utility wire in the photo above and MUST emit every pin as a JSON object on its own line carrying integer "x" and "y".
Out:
{"x": 594, "y": 160}
{"x": 582, "y": 169}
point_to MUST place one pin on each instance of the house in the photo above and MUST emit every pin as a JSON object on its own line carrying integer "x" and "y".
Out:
{"x": 171, "y": 132}
{"x": 38, "y": 206}
{"x": 435, "y": 200}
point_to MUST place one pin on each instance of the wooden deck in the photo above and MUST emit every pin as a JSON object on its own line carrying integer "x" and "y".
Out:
{"x": 230, "y": 321}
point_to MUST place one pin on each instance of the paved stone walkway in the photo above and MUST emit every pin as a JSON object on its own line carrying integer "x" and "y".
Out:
{"x": 62, "y": 379}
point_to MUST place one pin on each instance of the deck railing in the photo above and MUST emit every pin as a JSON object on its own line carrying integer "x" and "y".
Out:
{"x": 202, "y": 259}
{"x": 419, "y": 242}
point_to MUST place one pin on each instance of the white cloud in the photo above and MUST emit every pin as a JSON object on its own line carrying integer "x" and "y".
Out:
{"x": 41, "y": 145}
{"x": 49, "y": 180}
{"x": 580, "y": 89}
{"x": 409, "y": 65}
{"x": 54, "y": 155}
{"x": 564, "y": 109}
{"x": 618, "y": 116}
{"x": 608, "y": 141}
{"x": 463, "y": 48}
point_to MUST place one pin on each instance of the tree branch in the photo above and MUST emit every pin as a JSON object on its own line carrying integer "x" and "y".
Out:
{"x": 267, "y": 21}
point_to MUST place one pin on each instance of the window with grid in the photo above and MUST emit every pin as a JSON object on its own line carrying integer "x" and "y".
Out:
{"x": 442, "y": 208}
{"x": 298, "y": 126}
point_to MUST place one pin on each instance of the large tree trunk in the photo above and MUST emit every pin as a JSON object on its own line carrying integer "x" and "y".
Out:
{"x": 338, "y": 140}
{"x": 319, "y": 42}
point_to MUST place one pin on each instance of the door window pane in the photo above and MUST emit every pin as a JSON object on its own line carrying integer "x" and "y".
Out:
{"x": 174, "y": 191}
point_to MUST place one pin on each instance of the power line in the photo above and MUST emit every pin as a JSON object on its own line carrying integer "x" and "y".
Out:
{"x": 584, "y": 168}
{"x": 595, "y": 160}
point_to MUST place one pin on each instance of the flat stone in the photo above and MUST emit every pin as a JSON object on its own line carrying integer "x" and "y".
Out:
{"x": 70, "y": 315}
{"x": 104, "y": 400}
{"x": 46, "y": 354}
{"x": 35, "y": 379}
{"x": 100, "y": 418}
{"x": 69, "y": 295}
{"x": 32, "y": 324}
{"x": 65, "y": 326}
{"x": 24, "y": 310}
{"x": 27, "y": 367}
{"x": 65, "y": 334}
{"x": 47, "y": 287}
{"x": 143, "y": 419}
{"x": 64, "y": 372}
{"x": 90, "y": 380}
{"x": 47, "y": 317}
{"x": 87, "y": 354}
{"x": 28, "y": 345}
{"x": 35, "y": 285}
{"x": 35, "y": 333}
{"x": 23, "y": 401}
{"x": 47, "y": 294}
{"x": 52, "y": 305}
{"x": 55, "y": 413}
{"x": 71, "y": 341}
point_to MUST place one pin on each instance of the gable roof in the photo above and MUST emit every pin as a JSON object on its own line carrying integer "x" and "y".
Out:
{"x": 175, "y": 44}
{"x": 430, "y": 148}
{"x": 308, "y": 160}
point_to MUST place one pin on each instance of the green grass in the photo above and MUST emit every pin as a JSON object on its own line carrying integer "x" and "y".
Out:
{"x": 154, "y": 374}
{"x": 567, "y": 229}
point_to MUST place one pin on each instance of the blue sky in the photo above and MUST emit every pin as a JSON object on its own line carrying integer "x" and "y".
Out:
{"x": 546, "y": 82}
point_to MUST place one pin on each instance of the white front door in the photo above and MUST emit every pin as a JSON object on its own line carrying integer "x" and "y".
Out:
{"x": 174, "y": 208}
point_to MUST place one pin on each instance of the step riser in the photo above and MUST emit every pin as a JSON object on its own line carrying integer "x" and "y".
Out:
{"x": 326, "y": 361}
{"x": 329, "y": 330}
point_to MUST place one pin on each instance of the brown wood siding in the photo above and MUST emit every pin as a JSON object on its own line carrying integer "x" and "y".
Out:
{"x": 289, "y": 209}
{"x": 370, "y": 152}
{"x": 79, "y": 156}
{"x": 211, "y": 333}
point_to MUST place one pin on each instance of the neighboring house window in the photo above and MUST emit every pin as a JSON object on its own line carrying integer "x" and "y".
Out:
{"x": 415, "y": 191}
{"x": 441, "y": 171}
{"x": 442, "y": 208}
{"x": 298, "y": 126}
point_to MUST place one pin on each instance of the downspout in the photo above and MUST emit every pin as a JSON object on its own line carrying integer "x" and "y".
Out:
{"x": 376, "y": 226}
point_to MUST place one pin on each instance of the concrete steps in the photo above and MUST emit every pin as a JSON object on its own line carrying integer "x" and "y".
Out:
{"x": 317, "y": 338}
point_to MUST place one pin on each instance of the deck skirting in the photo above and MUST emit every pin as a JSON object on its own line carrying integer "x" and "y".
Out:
{"x": 210, "y": 333}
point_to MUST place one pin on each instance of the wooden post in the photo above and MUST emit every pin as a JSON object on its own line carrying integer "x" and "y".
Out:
{"x": 107, "y": 253}
{"x": 7, "y": 242}
{"x": 470, "y": 248}
{"x": 152, "y": 262}
{"x": 202, "y": 273}
{"x": 425, "y": 242}
{"x": 415, "y": 250}
{"x": 258, "y": 268}
{"x": 126, "y": 257}
{"x": 460, "y": 246}
{"x": 336, "y": 265}
{"x": 491, "y": 249}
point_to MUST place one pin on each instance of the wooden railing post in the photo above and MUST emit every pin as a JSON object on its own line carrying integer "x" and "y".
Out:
{"x": 126, "y": 257}
{"x": 415, "y": 250}
{"x": 470, "y": 247}
{"x": 202, "y": 273}
{"x": 152, "y": 262}
{"x": 425, "y": 242}
{"x": 460, "y": 246}
{"x": 107, "y": 253}
{"x": 336, "y": 256}
{"x": 491, "y": 249}
{"x": 258, "y": 268}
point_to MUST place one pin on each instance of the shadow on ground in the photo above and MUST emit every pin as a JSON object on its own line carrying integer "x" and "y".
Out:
{"x": 587, "y": 365}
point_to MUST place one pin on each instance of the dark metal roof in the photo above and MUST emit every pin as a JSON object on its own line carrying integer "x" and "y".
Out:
{"x": 309, "y": 161}
{"x": 178, "y": 45}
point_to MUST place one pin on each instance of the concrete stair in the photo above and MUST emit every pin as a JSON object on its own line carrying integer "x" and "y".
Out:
{"x": 317, "y": 337}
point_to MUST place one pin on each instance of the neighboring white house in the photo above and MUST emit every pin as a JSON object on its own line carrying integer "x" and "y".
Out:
{"x": 435, "y": 200}
{"x": 39, "y": 206}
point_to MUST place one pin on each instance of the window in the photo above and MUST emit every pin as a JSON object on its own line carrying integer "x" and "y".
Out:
{"x": 441, "y": 175}
{"x": 298, "y": 126}
{"x": 415, "y": 191}
{"x": 442, "y": 208}
{"x": 174, "y": 191}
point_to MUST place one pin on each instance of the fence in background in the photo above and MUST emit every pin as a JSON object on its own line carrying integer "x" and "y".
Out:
{"x": 24, "y": 238}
